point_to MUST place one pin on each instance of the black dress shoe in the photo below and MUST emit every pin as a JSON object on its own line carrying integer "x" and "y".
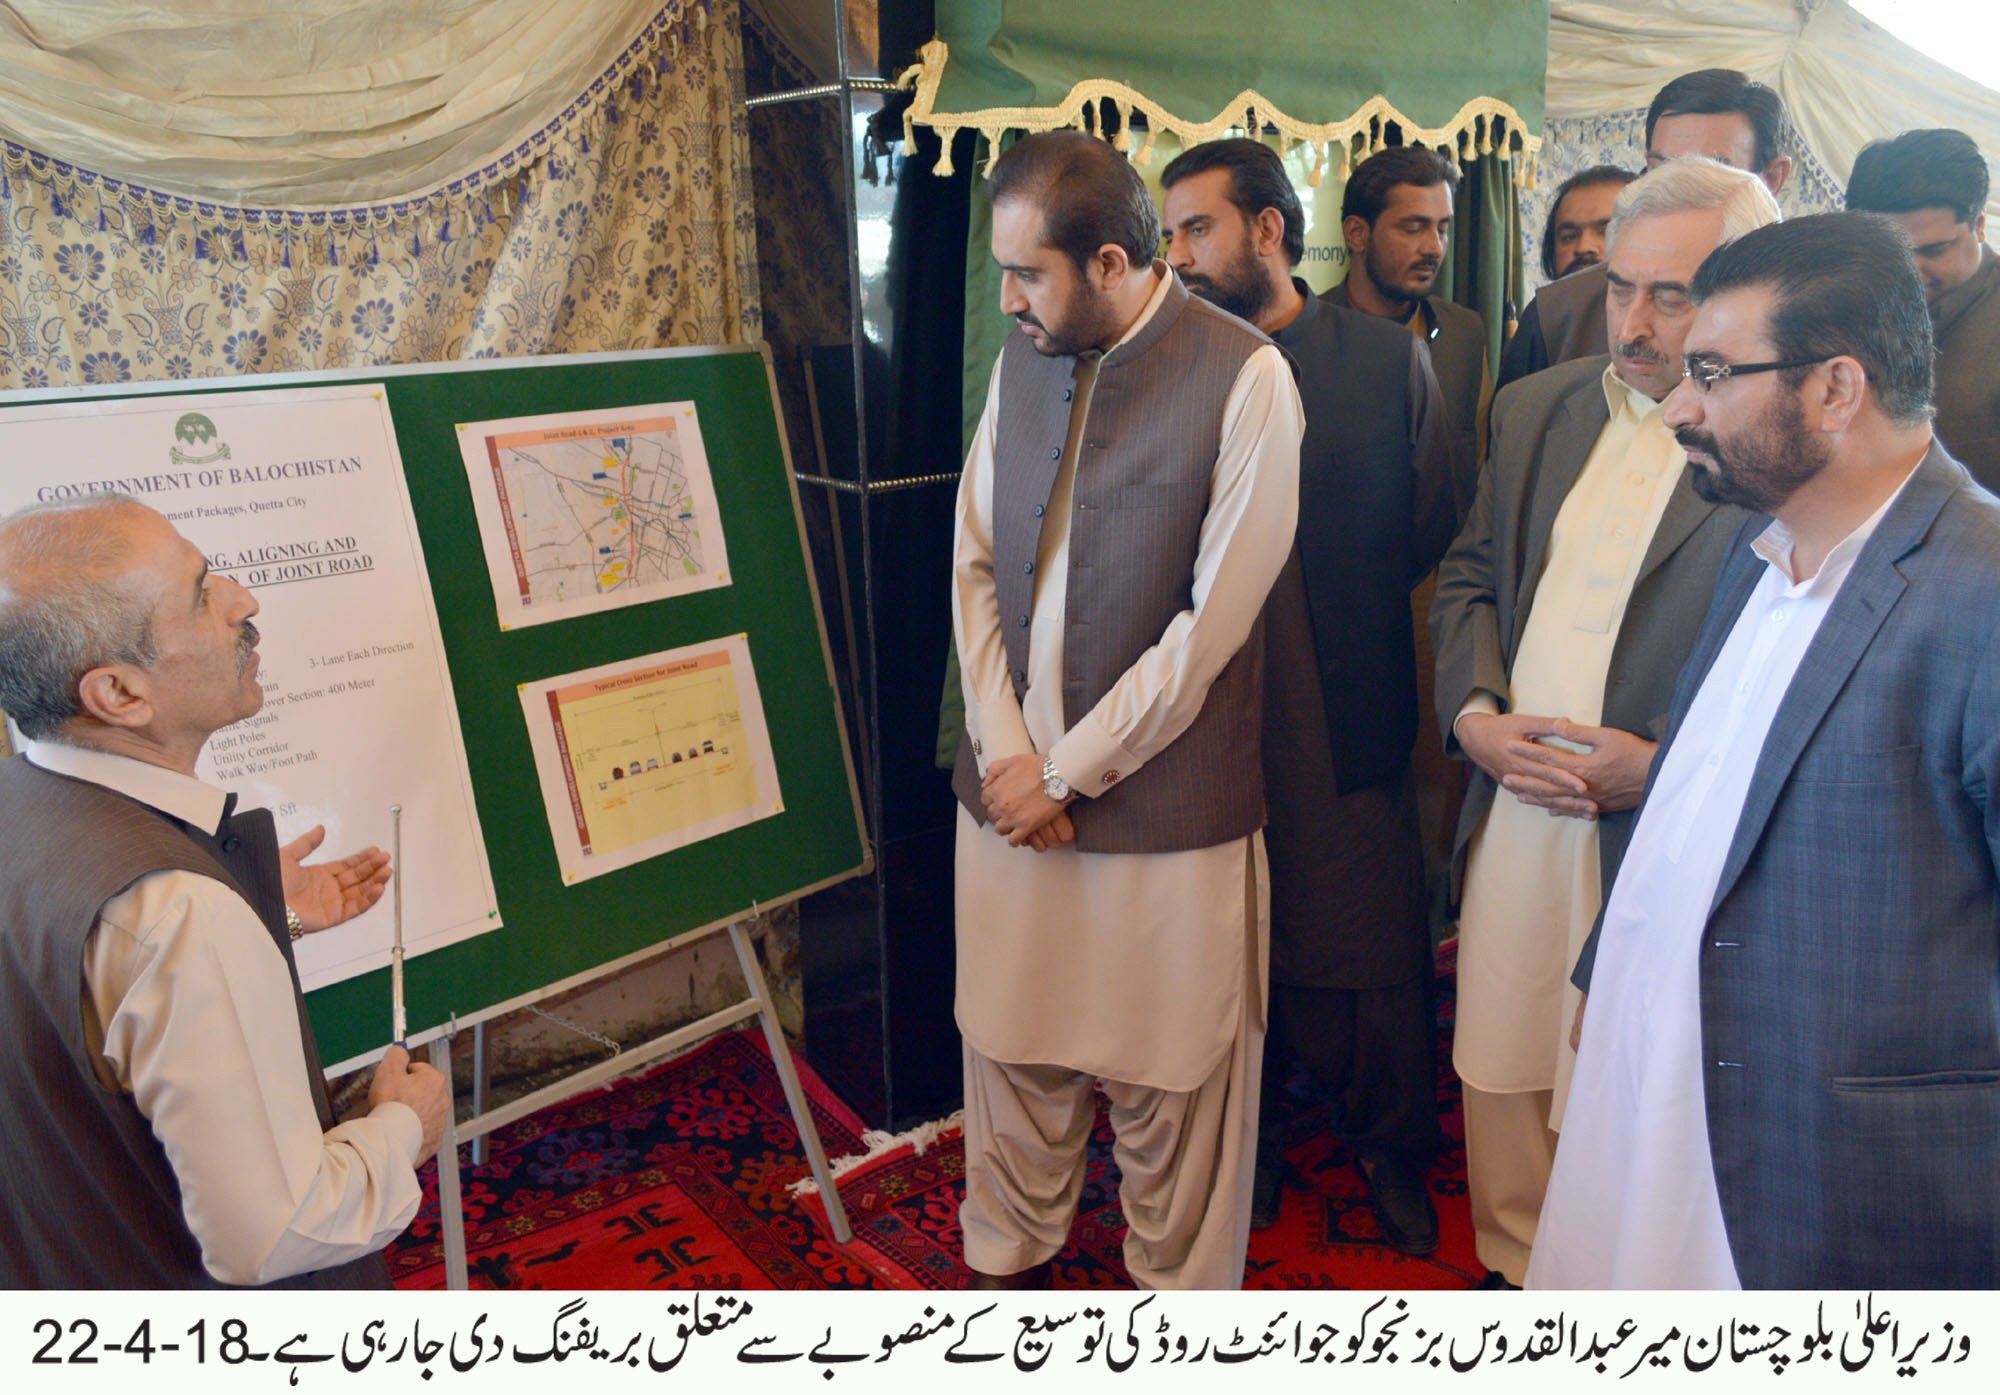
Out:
{"x": 1035, "y": 1276}
{"x": 1402, "y": 1204}
{"x": 1264, "y": 1196}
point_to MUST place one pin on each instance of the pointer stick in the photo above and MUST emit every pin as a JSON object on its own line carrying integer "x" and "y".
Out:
{"x": 401, "y": 1026}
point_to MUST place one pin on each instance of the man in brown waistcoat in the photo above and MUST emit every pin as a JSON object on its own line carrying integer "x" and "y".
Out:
{"x": 1129, "y": 498}
{"x": 1934, "y": 184}
{"x": 163, "y": 1116}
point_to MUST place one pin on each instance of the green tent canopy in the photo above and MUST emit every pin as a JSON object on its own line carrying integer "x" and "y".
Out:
{"x": 1452, "y": 73}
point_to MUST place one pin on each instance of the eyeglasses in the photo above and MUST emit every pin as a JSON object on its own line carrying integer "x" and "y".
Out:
{"x": 1706, "y": 370}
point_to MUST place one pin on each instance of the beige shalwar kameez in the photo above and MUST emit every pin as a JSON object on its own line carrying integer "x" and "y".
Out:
{"x": 1145, "y": 971}
{"x": 1531, "y": 880}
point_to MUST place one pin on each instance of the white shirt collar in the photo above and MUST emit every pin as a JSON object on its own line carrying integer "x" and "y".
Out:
{"x": 179, "y": 796}
{"x": 1775, "y": 545}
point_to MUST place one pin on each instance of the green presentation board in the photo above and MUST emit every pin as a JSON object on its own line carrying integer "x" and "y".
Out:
{"x": 554, "y": 934}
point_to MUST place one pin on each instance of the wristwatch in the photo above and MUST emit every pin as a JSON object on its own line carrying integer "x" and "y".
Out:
{"x": 1053, "y": 784}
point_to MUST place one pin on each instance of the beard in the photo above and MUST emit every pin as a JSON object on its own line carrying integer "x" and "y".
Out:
{"x": 1087, "y": 320}
{"x": 1242, "y": 288}
{"x": 1763, "y": 467}
{"x": 1376, "y": 264}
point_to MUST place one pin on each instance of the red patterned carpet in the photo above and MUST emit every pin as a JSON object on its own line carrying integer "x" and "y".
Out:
{"x": 678, "y": 1179}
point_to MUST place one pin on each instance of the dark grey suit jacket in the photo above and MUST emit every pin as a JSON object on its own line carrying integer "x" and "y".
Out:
{"x": 1543, "y": 430}
{"x": 1850, "y": 968}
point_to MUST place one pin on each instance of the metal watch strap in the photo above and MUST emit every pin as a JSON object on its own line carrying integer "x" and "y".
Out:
{"x": 1053, "y": 784}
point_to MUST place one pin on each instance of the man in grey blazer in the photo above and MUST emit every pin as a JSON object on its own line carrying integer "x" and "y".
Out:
{"x": 1564, "y": 609}
{"x": 1790, "y": 1073}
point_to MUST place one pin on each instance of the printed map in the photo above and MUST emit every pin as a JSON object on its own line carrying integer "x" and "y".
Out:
{"x": 580, "y": 515}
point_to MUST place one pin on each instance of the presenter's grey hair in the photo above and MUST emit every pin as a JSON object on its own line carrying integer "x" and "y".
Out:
{"x": 62, "y": 611}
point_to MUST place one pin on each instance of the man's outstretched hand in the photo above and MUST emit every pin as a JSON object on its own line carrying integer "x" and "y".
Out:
{"x": 327, "y": 893}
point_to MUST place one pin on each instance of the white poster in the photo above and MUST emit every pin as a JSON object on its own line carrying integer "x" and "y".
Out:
{"x": 648, "y": 755}
{"x": 587, "y": 511}
{"x": 299, "y": 495}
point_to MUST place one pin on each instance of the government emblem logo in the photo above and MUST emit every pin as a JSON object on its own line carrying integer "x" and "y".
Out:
{"x": 196, "y": 430}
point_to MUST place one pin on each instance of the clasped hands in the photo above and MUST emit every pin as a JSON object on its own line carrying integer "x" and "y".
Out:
{"x": 1019, "y": 810}
{"x": 1607, "y": 775}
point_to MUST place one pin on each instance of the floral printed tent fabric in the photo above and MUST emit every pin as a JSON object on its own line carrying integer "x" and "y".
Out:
{"x": 341, "y": 182}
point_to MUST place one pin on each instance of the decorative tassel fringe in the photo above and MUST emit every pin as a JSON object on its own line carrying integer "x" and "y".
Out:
{"x": 1482, "y": 126}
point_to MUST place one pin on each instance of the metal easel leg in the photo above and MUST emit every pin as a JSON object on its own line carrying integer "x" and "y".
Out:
{"x": 781, "y": 1056}
{"x": 451, "y": 1207}
{"x": 480, "y": 1083}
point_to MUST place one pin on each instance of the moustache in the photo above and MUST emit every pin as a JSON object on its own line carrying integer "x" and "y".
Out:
{"x": 1693, "y": 439}
{"x": 246, "y": 640}
{"x": 1027, "y": 317}
{"x": 1639, "y": 352}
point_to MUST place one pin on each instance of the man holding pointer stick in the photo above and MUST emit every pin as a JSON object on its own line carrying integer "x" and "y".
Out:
{"x": 163, "y": 1116}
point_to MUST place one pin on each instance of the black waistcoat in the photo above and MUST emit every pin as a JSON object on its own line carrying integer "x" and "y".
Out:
{"x": 1356, "y": 499}
{"x": 89, "y": 1198}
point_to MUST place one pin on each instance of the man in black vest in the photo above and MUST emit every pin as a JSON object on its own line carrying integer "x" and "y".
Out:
{"x": 1396, "y": 217}
{"x": 1350, "y": 948}
{"x": 1130, "y": 495}
{"x": 163, "y": 1116}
